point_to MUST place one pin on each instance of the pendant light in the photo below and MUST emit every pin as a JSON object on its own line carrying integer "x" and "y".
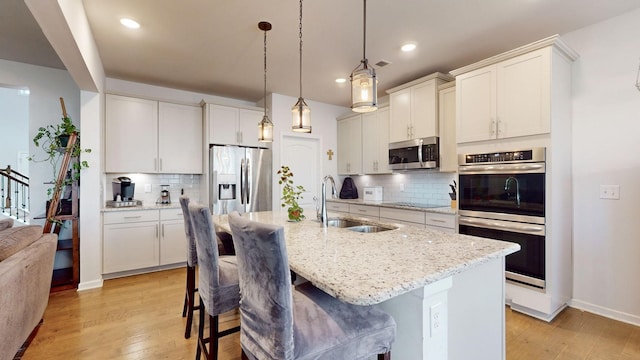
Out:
{"x": 265, "y": 126}
{"x": 301, "y": 114}
{"x": 364, "y": 84}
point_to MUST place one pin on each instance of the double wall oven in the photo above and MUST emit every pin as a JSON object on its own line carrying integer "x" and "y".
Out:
{"x": 502, "y": 197}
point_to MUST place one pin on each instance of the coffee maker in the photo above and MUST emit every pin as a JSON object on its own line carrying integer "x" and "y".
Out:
{"x": 165, "y": 195}
{"x": 123, "y": 187}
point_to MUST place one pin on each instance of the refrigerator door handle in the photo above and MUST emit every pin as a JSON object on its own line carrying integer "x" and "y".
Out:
{"x": 246, "y": 182}
{"x": 242, "y": 189}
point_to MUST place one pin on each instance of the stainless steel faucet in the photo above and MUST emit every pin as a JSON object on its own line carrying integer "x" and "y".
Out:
{"x": 507, "y": 187}
{"x": 322, "y": 216}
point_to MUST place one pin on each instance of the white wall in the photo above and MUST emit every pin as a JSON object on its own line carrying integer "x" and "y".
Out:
{"x": 606, "y": 129}
{"x": 46, "y": 86}
{"x": 14, "y": 122}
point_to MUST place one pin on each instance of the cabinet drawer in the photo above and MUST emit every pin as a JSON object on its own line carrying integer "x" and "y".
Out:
{"x": 411, "y": 216}
{"x": 119, "y": 217}
{"x": 336, "y": 206}
{"x": 364, "y": 210}
{"x": 171, "y": 214}
{"x": 441, "y": 220}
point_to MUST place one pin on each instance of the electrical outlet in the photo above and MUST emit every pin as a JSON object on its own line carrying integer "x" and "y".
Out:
{"x": 401, "y": 187}
{"x": 147, "y": 188}
{"x": 436, "y": 318}
{"x": 610, "y": 192}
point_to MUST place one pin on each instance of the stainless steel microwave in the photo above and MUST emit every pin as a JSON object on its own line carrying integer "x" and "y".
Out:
{"x": 414, "y": 154}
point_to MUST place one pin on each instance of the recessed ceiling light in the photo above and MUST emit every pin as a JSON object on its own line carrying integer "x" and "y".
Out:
{"x": 130, "y": 23}
{"x": 341, "y": 80}
{"x": 408, "y": 47}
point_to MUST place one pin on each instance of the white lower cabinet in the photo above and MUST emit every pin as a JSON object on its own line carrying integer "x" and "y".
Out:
{"x": 173, "y": 242}
{"x": 138, "y": 239}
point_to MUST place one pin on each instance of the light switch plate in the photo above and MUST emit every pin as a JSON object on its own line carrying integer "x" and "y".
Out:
{"x": 611, "y": 192}
{"x": 147, "y": 188}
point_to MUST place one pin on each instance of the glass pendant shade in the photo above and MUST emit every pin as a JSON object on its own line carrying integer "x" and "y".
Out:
{"x": 301, "y": 116}
{"x": 364, "y": 89}
{"x": 265, "y": 130}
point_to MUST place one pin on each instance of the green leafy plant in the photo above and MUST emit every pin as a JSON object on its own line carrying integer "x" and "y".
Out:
{"x": 290, "y": 194}
{"x": 52, "y": 139}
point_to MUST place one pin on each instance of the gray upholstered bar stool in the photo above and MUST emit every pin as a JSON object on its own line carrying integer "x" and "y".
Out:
{"x": 217, "y": 281}
{"x": 306, "y": 323}
{"x": 192, "y": 260}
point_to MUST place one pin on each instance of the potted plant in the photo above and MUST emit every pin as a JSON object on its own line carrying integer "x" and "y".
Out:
{"x": 290, "y": 194}
{"x": 53, "y": 140}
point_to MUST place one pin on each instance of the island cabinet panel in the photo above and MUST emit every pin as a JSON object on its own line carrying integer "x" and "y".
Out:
{"x": 368, "y": 211}
{"x": 411, "y": 217}
{"x": 148, "y": 136}
{"x": 504, "y": 100}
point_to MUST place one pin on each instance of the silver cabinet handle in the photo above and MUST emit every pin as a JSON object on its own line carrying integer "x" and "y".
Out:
{"x": 437, "y": 220}
{"x": 133, "y": 217}
{"x": 163, "y": 231}
{"x": 156, "y": 231}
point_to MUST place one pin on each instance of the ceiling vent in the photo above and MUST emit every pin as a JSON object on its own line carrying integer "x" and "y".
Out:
{"x": 383, "y": 63}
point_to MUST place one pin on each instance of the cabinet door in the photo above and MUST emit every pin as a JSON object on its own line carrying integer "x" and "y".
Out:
{"x": 400, "y": 115}
{"x": 180, "y": 139}
{"x": 223, "y": 125}
{"x": 130, "y": 246}
{"x": 447, "y": 119}
{"x": 131, "y": 135}
{"x": 248, "y": 127}
{"x": 475, "y": 103}
{"x": 375, "y": 142}
{"x": 350, "y": 145}
{"x": 523, "y": 95}
{"x": 173, "y": 242}
{"x": 424, "y": 110}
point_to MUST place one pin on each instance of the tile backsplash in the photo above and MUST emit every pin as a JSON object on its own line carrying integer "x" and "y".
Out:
{"x": 412, "y": 186}
{"x": 177, "y": 182}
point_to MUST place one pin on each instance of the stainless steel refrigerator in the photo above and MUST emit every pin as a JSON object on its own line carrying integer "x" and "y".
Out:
{"x": 240, "y": 179}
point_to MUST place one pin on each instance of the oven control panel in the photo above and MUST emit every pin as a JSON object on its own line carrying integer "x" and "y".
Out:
{"x": 537, "y": 154}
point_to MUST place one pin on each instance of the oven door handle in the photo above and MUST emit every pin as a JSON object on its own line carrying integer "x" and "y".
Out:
{"x": 503, "y": 225}
{"x": 499, "y": 169}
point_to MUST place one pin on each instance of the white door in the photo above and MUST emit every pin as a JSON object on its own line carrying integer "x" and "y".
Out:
{"x": 302, "y": 156}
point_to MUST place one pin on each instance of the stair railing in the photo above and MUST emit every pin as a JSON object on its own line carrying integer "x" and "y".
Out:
{"x": 14, "y": 193}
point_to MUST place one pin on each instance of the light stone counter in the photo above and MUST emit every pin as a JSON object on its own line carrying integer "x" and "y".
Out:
{"x": 369, "y": 268}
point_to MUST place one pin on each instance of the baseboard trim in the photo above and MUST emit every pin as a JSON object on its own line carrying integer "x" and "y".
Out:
{"x": 88, "y": 285}
{"x": 606, "y": 312}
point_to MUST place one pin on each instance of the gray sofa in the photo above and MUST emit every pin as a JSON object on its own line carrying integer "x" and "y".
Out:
{"x": 26, "y": 266}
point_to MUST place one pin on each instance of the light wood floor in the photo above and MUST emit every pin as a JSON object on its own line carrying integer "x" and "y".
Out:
{"x": 139, "y": 317}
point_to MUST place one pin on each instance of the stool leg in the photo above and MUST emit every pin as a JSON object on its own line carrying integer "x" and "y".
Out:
{"x": 200, "y": 330}
{"x": 213, "y": 336}
{"x": 190, "y": 299}
{"x": 385, "y": 356}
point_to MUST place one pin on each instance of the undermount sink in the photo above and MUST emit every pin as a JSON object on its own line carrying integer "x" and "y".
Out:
{"x": 357, "y": 226}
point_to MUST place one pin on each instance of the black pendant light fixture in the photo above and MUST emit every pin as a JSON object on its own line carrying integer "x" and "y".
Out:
{"x": 265, "y": 126}
{"x": 364, "y": 84}
{"x": 301, "y": 114}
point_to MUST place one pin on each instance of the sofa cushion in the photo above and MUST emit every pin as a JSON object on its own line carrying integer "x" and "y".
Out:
{"x": 6, "y": 223}
{"x": 15, "y": 239}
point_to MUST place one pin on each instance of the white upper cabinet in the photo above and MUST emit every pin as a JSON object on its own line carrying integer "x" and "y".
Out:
{"x": 414, "y": 108}
{"x": 234, "y": 126}
{"x": 131, "y": 135}
{"x": 150, "y": 137}
{"x": 180, "y": 139}
{"x": 375, "y": 140}
{"x": 447, "y": 119}
{"x": 350, "y": 145}
{"x": 510, "y": 95}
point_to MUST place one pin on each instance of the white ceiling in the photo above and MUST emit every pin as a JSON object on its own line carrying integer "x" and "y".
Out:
{"x": 215, "y": 46}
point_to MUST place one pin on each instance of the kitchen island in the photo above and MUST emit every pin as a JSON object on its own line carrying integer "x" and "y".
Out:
{"x": 446, "y": 291}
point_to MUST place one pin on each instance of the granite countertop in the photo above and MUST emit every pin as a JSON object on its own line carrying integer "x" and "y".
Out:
{"x": 369, "y": 268}
{"x": 397, "y": 205}
{"x": 173, "y": 205}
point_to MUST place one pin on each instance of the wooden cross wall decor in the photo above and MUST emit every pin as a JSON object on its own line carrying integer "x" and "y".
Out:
{"x": 330, "y": 154}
